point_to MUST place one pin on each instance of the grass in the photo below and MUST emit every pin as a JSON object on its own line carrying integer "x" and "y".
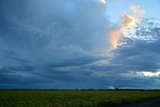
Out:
{"x": 46, "y": 98}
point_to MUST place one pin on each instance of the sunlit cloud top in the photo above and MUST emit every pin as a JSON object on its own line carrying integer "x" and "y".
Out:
{"x": 127, "y": 22}
{"x": 102, "y": 1}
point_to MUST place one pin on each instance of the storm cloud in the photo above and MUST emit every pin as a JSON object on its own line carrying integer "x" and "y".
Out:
{"x": 64, "y": 44}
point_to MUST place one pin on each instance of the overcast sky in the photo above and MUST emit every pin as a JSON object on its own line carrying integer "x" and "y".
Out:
{"x": 64, "y": 44}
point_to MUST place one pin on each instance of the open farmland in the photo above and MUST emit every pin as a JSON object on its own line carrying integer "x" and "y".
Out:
{"x": 46, "y": 98}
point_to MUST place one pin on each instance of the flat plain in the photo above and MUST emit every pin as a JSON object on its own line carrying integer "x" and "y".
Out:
{"x": 74, "y": 98}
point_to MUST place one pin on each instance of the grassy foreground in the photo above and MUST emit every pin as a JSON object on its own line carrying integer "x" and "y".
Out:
{"x": 45, "y": 98}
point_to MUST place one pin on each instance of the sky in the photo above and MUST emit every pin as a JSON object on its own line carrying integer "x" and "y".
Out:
{"x": 79, "y": 44}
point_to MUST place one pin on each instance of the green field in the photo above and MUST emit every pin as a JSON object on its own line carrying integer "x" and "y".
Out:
{"x": 46, "y": 98}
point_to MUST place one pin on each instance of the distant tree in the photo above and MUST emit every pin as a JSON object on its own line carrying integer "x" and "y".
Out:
{"x": 116, "y": 89}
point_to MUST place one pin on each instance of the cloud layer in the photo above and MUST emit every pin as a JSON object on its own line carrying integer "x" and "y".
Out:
{"x": 63, "y": 44}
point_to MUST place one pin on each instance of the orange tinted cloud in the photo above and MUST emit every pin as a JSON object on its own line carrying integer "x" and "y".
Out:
{"x": 115, "y": 36}
{"x": 128, "y": 22}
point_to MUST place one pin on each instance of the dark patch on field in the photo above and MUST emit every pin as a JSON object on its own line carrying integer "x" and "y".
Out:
{"x": 150, "y": 103}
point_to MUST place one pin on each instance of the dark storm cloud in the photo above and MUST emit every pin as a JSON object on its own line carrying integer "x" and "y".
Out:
{"x": 61, "y": 44}
{"x": 144, "y": 57}
{"x": 53, "y": 28}
{"x": 48, "y": 41}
